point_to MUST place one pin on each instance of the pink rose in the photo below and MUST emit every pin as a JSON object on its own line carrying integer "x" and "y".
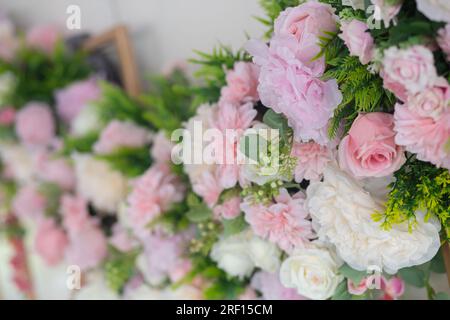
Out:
{"x": 229, "y": 209}
{"x": 7, "y": 116}
{"x": 411, "y": 68}
{"x": 395, "y": 87}
{"x": 306, "y": 23}
{"x": 424, "y": 136}
{"x": 443, "y": 40}
{"x": 50, "y": 242}
{"x": 358, "y": 40}
{"x": 119, "y": 134}
{"x": 242, "y": 83}
{"x": 312, "y": 158}
{"x": 43, "y": 37}
{"x": 369, "y": 149}
{"x": 75, "y": 97}
{"x": 34, "y": 124}
{"x": 433, "y": 101}
{"x": 29, "y": 203}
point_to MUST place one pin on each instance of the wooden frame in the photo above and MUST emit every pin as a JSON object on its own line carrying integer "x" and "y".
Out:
{"x": 119, "y": 37}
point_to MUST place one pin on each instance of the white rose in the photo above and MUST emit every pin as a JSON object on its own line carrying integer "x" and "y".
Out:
{"x": 436, "y": 10}
{"x": 342, "y": 208}
{"x": 19, "y": 161}
{"x": 239, "y": 254}
{"x": 87, "y": 121}
{"x": 355, "y": 4}
{"x": 99, "y": 184}
{"x": 313, "y": 271}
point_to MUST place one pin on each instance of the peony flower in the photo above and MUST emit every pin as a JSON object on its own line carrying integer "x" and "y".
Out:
{"x": 152, "y": 195}
{"x": 7, "y": 116}
{"x": 305, "y": 24}
{"x": 34, "y": 124}
{"x": 411, "y": 68}
{"x": 74, "y": 211}
{"x": 289, "y": 87}
{"x": 119, "y": 134}
{"x": 369, "y": 149}
{"x": 423, "y": 136}
{"x": 443, "y": 40}
{"x": 71, "y": 100}
{"x": 50, "y": 242}
{"x": 436, "y": 10}
{"x": 284, "y": 223}
{"x": 43, "y": 37}
{"x": 229, "y": 209}
{"x": 57, "y": 171}
{"x": 270, "y": 287}
{"x": 312, "y": 158}
{"x": 18, "y": 162}
{"x": 393, "y": 288}
{"x": 161, "y": 150}
{"x": 87, "y": 248}
{"x": 242, "y": 83}
{"x": 358, "y": 40}
{"x": 312, "y": 271}
{"x": 29, "y": 203}
{"x": 342, "y": 209}
{"x": 386, "y": 11}
{"x": 433, "y": 101}
{"x": 98, "y": 183}
{"x": 359, "y": 289}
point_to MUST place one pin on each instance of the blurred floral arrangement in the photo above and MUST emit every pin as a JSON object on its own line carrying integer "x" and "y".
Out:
{"x": 356, "y": 178}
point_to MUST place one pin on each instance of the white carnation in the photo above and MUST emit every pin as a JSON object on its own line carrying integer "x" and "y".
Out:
{"x": 99, "y": 184}
{"x": 87, "y": 121}
{"x": 436, "y": 10}
{"x": 313, "y": 271}
{"x": 341, "y": 210}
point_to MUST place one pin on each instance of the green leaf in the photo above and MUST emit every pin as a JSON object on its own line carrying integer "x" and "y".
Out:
{"x": 278, "y": 121}
{"x": 199, "y": 213}
{"x": 437, "y": 263}
{"x": 341, "y": 292}
{"x": 354, "y": 275}
{"x": 413, "y": 276}
{"x": 442, "y": 296}
{"x": 234, "y": 226}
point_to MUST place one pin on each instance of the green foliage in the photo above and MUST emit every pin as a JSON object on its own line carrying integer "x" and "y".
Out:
{"x": 413, "y": 276}
{"x": 132, "y": 162}
{"x": 198, "y": 210}
{"x": 38, "y": 74}
{"x": 81, "y": 144}
{"x": 174, "y": 220}
{"x": 354, "y": 275}
{"x": 341, "y": 292}
{"x": 52, "y": 194}
{"x": 234, "y": 226}
{"x": 119, "y": 268}
{"x": 418, "y": 186}
{"x": 278, "y": 121}
{"x": 7, "y": 133}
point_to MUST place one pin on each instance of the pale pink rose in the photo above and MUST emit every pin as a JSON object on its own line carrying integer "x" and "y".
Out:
{"x": 289, "y": 87}
{"x": 242, "y": 84}
{"x": 270, "y": 287}
{"x": 435, "y": 10}
{"x": 74, "y": 211}
{"x": 50, "y": 242}
{"x": 122, "y": 239}
{"x": 433, "y": 101}
{"x": 443, "y": 40}
{"x": 393, "y": 288}
{"x": 306, "y": 23}
{"x": 397, "y": 88}
{"x": 153, "y": 194}
{"x": 284, "y": 222}
{"x": 312, "y": 158}
{"x": 229, "y": 209}
{"x": 87, "y": 248}
{"x": 208, "y": 187}
{"x": 413, "y": 68}
{"x": 34, "y": 124}
{"x": 369, "y": 149}
{"x": 7, "y": 116}
{"x": 29, "y": 203}
{"x": 359, "y": 289}
{"x": 423, "y": 136}
{"x": 385, "y": 11}
{"x": 358, "y": 40}
{"x": 43, "y": 37}
{"x": 162, "y": 148}
{"x": 119, "y": 134}
{"x": 55, "y": 170}
{"x": 75, "y": 97}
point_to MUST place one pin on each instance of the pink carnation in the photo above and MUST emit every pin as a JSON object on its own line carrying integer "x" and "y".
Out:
{"x": 229, "y": 209}
{"x": 75, "y": 214}
{"x": 208, "y": 187}
{"x": 29, "y": 203}
{"x": 161, "y": 150}
{"x": 75, "y": 97}
{"x": 34, "y": 124}
{"x": 423, "y": 136}
{"x": 312, "y": 159}
{"x": 87, "y": 248}
{"x": 119, "y": 134}
{"x": 285, "y": 222}
{"x": 122, "y": 239}
{"x": 153, "y": 194}
{"x": 369, "y": 149}
{"x": 242, "y": 83}
{"x": 271, "y": 288}
{"x": 50, "y": 242}
{"x": 443, "y": 40}
{"x": 7, "y": 116}
{"x": 358, "y": 40}
{"x": 43, "y": 37}
{"x": 57, "y": 171}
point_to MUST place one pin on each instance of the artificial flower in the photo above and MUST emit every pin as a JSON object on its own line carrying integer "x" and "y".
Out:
{"x": 358, "y": 40}
{"x": 35, "y": 125}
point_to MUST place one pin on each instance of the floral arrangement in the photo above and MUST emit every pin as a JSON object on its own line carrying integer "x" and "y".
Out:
{"x": 345, "y": 194}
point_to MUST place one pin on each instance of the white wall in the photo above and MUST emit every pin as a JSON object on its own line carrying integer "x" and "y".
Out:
{"x": 163, "y": 31}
